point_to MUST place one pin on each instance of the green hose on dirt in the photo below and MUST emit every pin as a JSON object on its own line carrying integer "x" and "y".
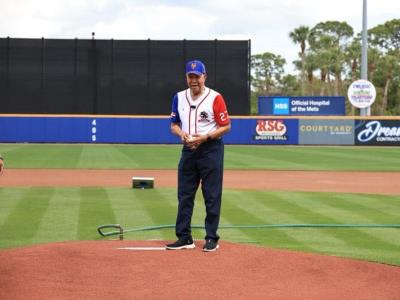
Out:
{"x": 121, "y": 231}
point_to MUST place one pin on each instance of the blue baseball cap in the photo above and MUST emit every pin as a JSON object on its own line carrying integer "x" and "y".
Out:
{"x": 195, "y": 67}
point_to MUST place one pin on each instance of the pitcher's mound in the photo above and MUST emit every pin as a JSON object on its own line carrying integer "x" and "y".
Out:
{"x": 144, "y": 270}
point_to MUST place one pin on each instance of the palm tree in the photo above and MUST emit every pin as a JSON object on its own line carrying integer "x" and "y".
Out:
{"x": 352, "y": 58}
{"x": 374, "y": 55}
{"x": 389, "y": 63}
{"x": 310, "y": 67}
{"x": 268, "y": 69}
{"x": 386, "y": 37}
{"x": 300, "y": 36}
{"x": 327, "y": 40}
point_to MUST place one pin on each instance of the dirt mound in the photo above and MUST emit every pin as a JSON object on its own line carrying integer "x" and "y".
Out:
{"x": 99, "y": 270}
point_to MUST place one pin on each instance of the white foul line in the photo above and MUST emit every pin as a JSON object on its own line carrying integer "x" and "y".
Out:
{"x": 142, "y": 248}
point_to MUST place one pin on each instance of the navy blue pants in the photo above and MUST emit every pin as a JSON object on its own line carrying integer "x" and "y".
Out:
{"x": 203, "y": 165}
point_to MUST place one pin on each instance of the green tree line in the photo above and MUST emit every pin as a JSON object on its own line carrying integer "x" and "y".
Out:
{"x": 329, "y": 59}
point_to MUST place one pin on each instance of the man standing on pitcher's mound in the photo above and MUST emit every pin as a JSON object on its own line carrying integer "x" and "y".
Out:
{"x": 200, "y": 118}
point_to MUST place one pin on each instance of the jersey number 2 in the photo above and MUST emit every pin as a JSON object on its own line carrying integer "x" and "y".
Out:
{"x": 222, "y": 116}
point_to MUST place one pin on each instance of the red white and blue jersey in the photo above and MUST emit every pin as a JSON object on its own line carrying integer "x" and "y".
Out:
{"x": 201, "y": 116}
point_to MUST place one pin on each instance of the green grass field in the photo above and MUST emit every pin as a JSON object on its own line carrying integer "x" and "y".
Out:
{"x": 40, "y": 215}
{"x": 166, "y": 157}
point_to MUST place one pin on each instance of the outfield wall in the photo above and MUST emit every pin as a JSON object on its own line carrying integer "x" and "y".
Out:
{"x": 371, "y": 131}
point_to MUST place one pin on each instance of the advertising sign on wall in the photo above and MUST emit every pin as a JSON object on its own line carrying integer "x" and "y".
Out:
{"x": 377, "y": 132}
{"x": 275, "y": 131}
{"x": 259, "y": 131}
{"x": 326, "y": 132}
{"x": 301, "y": 106}
{"x": 361, "y": 93}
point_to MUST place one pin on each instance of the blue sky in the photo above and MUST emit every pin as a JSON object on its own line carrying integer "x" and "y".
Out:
{"x": 266, "y": 22}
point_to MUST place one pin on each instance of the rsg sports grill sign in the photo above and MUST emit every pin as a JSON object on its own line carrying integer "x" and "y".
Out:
{"x": 276, "y": 131}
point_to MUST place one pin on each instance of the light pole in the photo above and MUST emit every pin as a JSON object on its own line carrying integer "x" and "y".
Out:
{"x": 364, "y": 56}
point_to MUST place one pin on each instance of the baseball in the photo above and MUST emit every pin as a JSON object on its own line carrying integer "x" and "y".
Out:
{"x": 190, "y": 138}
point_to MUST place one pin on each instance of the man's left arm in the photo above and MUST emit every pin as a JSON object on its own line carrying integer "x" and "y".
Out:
{"x": 218, "y": 133}
{"x": 221, "y": 117}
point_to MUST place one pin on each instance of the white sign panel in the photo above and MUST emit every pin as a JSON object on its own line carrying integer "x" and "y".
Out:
{"x": 361, "y": 93}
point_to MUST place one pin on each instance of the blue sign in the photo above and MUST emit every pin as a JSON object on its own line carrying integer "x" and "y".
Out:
{"x": 301, "y": 106}
{"x": 281, "y": 106}
{"x": 377, "y": 132}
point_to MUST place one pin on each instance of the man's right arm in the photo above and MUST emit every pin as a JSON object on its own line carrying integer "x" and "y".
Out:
{"x": 177, "y": 130}
{"x": 176, "y": 121}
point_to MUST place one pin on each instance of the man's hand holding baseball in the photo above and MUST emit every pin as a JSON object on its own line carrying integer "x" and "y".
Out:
{"x": 184, "y": 137}
{"x": 194, "y": 141}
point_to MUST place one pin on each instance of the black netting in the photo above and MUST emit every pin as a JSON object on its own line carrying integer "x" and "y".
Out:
{"x": 115, "y": 76}
{"x": 59, "y": 75}
{"x": 25, "y": 75}
{"x": 129, "y": 82}
{"x": 232, "y": 72}
{"x": 167, "y": 75}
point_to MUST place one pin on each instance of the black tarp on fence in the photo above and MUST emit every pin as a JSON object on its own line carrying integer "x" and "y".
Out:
{"x": 74, "y": 76}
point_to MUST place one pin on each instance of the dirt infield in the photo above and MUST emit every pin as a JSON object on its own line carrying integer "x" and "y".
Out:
{"x": 350, "y": 182}
{"x": 98, "y": 270}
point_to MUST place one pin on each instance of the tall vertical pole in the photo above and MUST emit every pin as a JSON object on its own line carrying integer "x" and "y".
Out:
{"x": 7, "y": 98}
{"x": 43, "y": 73}
{"x": 215, "y": 63}
{"x": 76, "y": 93}
{"x": 94, "y": 63}
{"x": 249, "y": 77}
{"x": 364, "y": 55}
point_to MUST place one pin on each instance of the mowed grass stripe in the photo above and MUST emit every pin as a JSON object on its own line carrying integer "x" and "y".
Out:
{"x": 44, "y": 156}
{"x": 309, "y": 206}
{"x": 131, "y": 213}
{"x": 352, "y": 242}
{"x": 22, "y": 223}
{"x": 340, "y": 158}
{"x": 237, "y": 212}
{"x": 9, "y": 198}
{"x": 384, "y": 203}
{"x": 127, "y": 209}
{"x": 160, "y": 211}
{"x": 239, "y": 159}
{"x": 281, "y": 212}
{"x": 95, "y": 209}
{"x": 161, "y": 157}
{"x": 94, "y": 157}
{"x": 60, "y": 223}
{"x": 364, "y": 210}
{"x": 228, "y": 208}
{"x": 363, "y": 214}
{"x": 277, "y": 214}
